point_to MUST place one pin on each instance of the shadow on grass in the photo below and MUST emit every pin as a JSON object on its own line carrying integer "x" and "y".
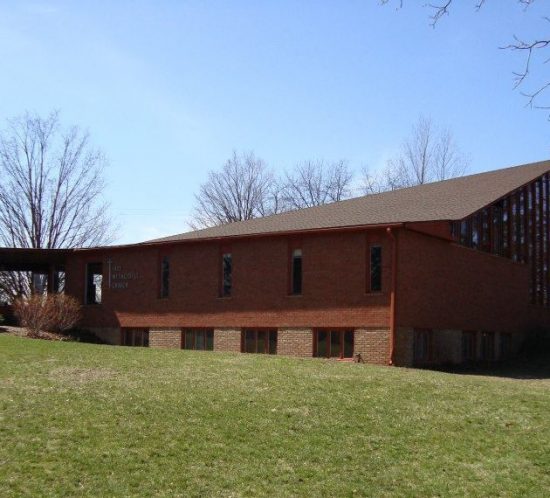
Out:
{"x": 533, "y": 362}
{"x": 513, "y": 369}
{"x": 82, "y": 335}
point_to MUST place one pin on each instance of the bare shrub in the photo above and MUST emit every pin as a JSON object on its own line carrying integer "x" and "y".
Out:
{"x": 34, "y": 313}
{"x": 53, "y": 313}
{"x": 66, "y": 312}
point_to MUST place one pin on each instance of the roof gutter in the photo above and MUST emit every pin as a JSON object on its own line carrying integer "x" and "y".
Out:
{"x": 303, "y": 231}
{"x": 393, "y": 291}
{"x": 228, "y": 238}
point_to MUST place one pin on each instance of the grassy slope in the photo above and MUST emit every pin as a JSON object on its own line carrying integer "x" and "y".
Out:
{"x": 86, "y": 420}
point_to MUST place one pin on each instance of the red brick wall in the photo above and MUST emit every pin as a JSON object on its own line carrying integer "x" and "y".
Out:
{"x": 437, "y": 228}
{"x": 227, "y": 340}
{"x": 295, "y": 342}
{"x": 334, "y": 283}
{"x": 373, "y": 345}
{"x": 165, "y": 338}
{"x": 442, "y": 285}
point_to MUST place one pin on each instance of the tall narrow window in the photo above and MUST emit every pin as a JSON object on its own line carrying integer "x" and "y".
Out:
{"x": 464, "y": 232}
{"x": 475, "y": 231}
{"x": 227, "y": 274}
{"x": 59, "y": 281}
{"x": 506, "y": 221}
{"x": 485, "y": 230}
{"x": 455, "y": 230}
{"x": 165, "y": 277}
{"x": 296, "y": 272}
{"x": 375, "y": 269}
{"x": 94, "y": 281}
{"x": 39, "y": 283}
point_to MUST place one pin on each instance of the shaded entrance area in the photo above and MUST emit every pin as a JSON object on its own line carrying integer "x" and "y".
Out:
{"x": 47, "y": 264}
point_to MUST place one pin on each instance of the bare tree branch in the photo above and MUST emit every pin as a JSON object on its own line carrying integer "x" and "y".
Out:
{"x": 530, "y": 48}
{"x": 439, "y": 11}
{"x": 313, "y": 183}
{"x": 244, "y": 189}
{"x": 428, "y": 155}
{"x": 371, "y": 183}
{"x": 51, "y": 190}
{"x": 448, "y": 161}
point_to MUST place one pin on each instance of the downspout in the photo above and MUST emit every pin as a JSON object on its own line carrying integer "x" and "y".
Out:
{"x": 393, "y": 290}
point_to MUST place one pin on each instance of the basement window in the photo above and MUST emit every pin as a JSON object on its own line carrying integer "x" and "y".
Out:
{"x": 94, "y": 282}
{"x": 469, "y": 346}
{"x": 259, "y": 341}
{"x": 375, "y": 269}
{"x": 333, "y": 343}
{"x": 422, "y": 348}
{"x": 296, "y": 272}
{"x": 487, "y": 346}
{"x": 505, "y": 346}
{"x": 135, "y": 337}
{"x": 198, "y": 339}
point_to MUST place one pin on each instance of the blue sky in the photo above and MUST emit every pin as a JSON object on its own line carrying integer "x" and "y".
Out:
{"x": 169, "y": 89}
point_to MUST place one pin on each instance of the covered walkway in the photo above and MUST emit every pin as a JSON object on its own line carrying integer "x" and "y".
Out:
{"x": 48, "y": 262}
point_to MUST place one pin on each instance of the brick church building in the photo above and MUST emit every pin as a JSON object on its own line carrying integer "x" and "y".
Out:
{"x": 447, "y": 272}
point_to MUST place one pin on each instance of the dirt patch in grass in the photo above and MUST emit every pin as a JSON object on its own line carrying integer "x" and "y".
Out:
{"x": 23, "y": 332}
{"x": 75, "y": 375}
{"x": 17, "y": 331}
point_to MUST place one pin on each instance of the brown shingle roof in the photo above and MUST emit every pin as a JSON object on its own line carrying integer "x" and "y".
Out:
{"x": 446, "y": 200}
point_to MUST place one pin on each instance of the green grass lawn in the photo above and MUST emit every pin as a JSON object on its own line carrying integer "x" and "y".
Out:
{"x": 86, "y": 420}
